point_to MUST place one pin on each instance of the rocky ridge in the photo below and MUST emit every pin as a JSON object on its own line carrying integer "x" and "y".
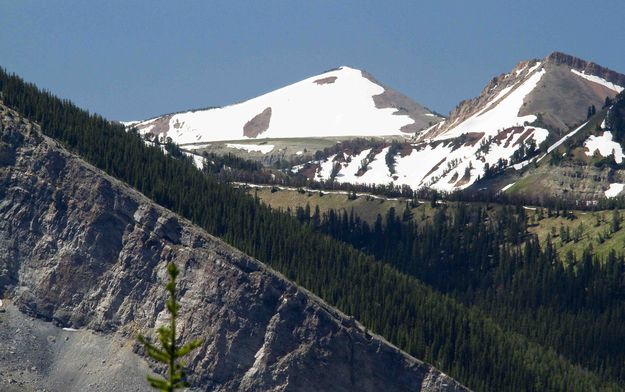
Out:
{"x": 82, "y": 250}
{"x": 560, "y": 99}
{"x": 515, "y": 120}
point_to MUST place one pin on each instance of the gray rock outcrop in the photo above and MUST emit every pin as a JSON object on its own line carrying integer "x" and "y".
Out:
{"x": 83, "y": 250}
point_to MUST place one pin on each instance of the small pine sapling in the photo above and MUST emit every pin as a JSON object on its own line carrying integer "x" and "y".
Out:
{"x": 169, "y": 353}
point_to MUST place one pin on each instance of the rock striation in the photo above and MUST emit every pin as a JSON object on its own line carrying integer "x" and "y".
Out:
{"x": 83, "y": 250}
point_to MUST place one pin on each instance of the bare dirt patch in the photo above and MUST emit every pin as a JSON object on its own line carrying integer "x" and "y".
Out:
{"x": 508, "y": 134}
{"x": 258, "y": 124}
{"x": 434, "y": 168}
{"x": 160, "y": 126}
{"x": 328, "y": 80}
{"x": 404, "y": 107}
{"x": 524, "y": 136}
{"x": 406, "y": 150}
{"x": 464, "y": 180}
{"x": 473, "y": 138}
{"x": 310, "y": 170}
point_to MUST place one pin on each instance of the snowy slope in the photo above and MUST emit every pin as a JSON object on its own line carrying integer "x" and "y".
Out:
{"x": 341, "y": 102}
{"x": 457, "y": 157}
{"x": 598, "y": 80}
{"x": 504, "y": 114}
{"x": 514, "y": 114}
{"x": 443, "y": 165}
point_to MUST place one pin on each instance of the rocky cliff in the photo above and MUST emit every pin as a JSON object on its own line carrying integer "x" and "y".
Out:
{"x": 560, "y": 99}
{"x": 82, "y": 250}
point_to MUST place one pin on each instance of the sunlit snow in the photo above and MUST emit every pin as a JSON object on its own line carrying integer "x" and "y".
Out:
{"x": 503, "y": 115}
{"x": 605, "y": 146}
{"x": 614, "y": 190}
{"x": 198, "y": 160}
{"x": 344, "y": 107}
{"x": 350, "y": 169}
{"x": 262, "y": 148}
{"x": 598, "y": 80}
{"x": 505, "y": 188}
{"x": 438, "y": 165}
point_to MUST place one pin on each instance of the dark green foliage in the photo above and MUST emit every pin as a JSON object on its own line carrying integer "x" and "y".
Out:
{"x": 492, "y": 171}
{"x": 615, "y": 119}
{"x": 607, "y": 103}
{"x": 7, "y": 157}
{"x": 461, "y": 340}
{"x": 169, "y": 353}
{"x": 616, "y": 221}
{"x": 525, "y": 151}
{"x": 591, "y": 111}
{"x": 487, "y": 259}
{"x": 335, "y": 170}
{"x": 393, "y": 150}
{"x": 219, "y": 164}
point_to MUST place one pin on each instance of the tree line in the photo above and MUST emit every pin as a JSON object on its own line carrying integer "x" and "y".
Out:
{"x": 485, "y": 257}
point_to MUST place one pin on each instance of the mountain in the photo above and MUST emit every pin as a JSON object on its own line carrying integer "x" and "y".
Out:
{"x": 87, "y": 252}
{"x": 555, "y": 92}
{"x": 341, "y": 102}
{"x": 66, "y": 229}
{"x": 516, "y": 118}
{"x": 583, "y": 167}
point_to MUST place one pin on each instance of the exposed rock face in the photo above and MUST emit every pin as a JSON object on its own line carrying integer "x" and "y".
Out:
{"x": 328, "y": 80}
{"x": 258, "y": 125}
{"x": 79, "y": 248}
{"x": 559, "y": 58}
{"x": 405, "y": 106}
{"x": 560, "y": 99}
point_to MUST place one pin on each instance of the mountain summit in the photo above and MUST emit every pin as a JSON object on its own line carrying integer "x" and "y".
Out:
{"x": 554, "y": 92}
{"x": 340, "y": 102}
{"x": 517, "y": 118}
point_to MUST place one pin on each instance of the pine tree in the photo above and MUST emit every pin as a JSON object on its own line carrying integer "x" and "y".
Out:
{"x": 616, "y": 221}
{"x": 169, "y": 353}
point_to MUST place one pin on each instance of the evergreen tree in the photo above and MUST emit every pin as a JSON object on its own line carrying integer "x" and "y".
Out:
{"x": 169, "y": 353}
{"x": 616, "y": 221}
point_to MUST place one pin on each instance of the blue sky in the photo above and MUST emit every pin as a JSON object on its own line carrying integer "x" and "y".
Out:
{"x": 136, "y": 59}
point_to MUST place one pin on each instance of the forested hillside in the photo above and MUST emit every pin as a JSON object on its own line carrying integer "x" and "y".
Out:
{"x": 485, "y": 257}
{"x": 460, "y": 339}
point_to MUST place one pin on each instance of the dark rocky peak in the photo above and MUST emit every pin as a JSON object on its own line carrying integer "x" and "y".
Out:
{"x": 588, "y": 67}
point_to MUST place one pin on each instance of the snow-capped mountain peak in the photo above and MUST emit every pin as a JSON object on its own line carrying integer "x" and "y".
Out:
{"x": 538, "y": 102}
{"x": 340, "y": 102}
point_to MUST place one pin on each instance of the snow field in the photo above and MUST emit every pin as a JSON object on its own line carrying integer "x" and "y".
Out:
{"x": 308, "y": 108}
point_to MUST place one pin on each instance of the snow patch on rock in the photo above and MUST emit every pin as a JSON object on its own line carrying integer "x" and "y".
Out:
{"x": 614, "y": 190}
{"x": 605, "y": 146}
{"x": 598, "y": 80}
